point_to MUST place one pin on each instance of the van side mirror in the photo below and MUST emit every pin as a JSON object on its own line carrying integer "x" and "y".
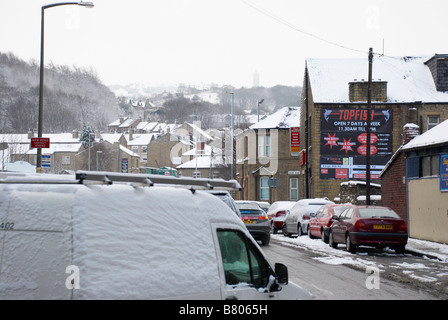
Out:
{"x": 281, "y": 271}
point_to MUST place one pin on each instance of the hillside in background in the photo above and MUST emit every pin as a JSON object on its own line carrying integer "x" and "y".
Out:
{"x": 73, "y": 97}
{"x": 189, "y": 103}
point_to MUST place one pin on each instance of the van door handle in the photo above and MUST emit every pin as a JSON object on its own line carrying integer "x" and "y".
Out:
{"x": 231, "y": 298}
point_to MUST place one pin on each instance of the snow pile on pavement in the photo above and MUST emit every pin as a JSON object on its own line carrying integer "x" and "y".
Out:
{"x": 333, "y": 256}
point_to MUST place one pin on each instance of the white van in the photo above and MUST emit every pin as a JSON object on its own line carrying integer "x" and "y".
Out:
{"x": 102, "y": 235}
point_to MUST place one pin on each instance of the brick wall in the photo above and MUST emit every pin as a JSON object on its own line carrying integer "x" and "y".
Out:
{"x": 358, "y": 91}
{"x": 393, "y": 186}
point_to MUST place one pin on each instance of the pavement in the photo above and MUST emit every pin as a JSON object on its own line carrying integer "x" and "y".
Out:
{"x": 430, "y": 249}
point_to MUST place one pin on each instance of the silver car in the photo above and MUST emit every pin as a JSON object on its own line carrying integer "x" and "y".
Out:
{"x": 296, "y": 222}
{"x": 256, "y": 221}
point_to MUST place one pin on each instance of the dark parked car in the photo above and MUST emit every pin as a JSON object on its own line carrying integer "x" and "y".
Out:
{"x": 256, "y": 221}
{"x": 372, "y": 226}
{"x": 319, "y": 225}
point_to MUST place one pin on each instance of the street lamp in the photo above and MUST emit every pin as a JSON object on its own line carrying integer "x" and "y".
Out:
{"x": 232, "y": 138}
{"x": 258, "y": 109}
{"x": 41, "y": 85}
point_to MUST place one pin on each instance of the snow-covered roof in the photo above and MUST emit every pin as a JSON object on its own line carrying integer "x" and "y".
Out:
{"x": 146, "y": 126}
{"x": 23, "y": 138}
{"x": 408, "y": 78}
{"x": 116, "y": 122}
{"x": 58, "y": 147}
{"x": 128, "y": 152}
{"x": 435, "y": 136}
{"x": 126, "y": 123}
{"x": 140, "y": 139}
{"x": 202, "y": 162}
{"x": 284, "y": 118}
{"x": 111, "y": 137}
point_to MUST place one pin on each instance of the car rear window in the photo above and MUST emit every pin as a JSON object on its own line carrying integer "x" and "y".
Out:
{"x": 338, "y": 210}
{"x": 377, "y": 213}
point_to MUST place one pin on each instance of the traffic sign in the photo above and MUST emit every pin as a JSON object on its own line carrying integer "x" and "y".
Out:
{"x": 273, "y": 183}
{"x": 40, "y": 143}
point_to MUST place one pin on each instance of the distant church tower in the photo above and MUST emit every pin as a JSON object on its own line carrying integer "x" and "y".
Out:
{"x": 256, "y": 82}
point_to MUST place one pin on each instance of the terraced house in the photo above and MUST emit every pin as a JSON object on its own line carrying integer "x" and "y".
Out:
{"x": 334, "y": 115}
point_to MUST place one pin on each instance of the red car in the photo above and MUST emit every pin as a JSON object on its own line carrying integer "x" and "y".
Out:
{"x": 319, "y": 226}
{"x": 372, "y": 226}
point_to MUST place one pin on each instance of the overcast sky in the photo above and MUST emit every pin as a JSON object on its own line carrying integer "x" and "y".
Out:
{"x": 221, "y": 41}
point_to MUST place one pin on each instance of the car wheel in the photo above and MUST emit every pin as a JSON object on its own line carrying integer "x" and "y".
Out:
{"x": 265, "y": 241}
{"x": 285, "y": 233}
{"x": 331, "y": 241}
{"x": 299, "y": 230}
{"x": 400, "y": 249}
{"x": 323, "y": 237}
{"x": 309, "y": 233}
{"x": 348, "y": 242}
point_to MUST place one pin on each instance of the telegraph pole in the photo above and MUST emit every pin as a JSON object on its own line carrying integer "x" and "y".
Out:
{"x": 369, "y": 117}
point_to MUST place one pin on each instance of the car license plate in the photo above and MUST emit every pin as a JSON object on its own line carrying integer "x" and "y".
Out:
{"x": 382, "y": 226}
{"x": 249, "y": 221}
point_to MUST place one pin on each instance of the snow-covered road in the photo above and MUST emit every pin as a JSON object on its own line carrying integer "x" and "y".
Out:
{"x": 423, "y": 266}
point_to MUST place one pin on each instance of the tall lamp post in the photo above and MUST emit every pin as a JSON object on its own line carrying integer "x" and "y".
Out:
{"x": 41, "y": 85}
{"x": 258, "y": 109}
{"x": 232, "y": 164}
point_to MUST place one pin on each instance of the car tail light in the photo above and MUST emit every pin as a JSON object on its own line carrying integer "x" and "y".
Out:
{"x": 360, "y": 225}
{"x": 262, "y": 217}
{"x": 280, "y": 213}
{"x": 403, "y": 227}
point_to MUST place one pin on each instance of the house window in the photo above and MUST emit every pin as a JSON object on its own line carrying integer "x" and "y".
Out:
{"x": 264, "y": 188}
{"x": 264, "y": 146}
{"x": 294, "y": 188}
{"x": 196, "y": 174}
{"x": 135, "y": 149}
{"x": 430, "y": 166}
{"x": 144, "y": 149}
{"x": 433, "y": 121}
{"x": 65, "y": 160}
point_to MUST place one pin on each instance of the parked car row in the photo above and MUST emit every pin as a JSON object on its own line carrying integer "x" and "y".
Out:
{"x": 348, "y": 224}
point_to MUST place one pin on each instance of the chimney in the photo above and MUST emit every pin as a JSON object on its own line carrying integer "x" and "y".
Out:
{"x": 438, "y": 65}
{"x": 131, "y": 134}
{"x": 75, "y": 134}
{"x": 358, "y": 90}
{"x": 30, "y": 134}
{"x": 410, "y": 131}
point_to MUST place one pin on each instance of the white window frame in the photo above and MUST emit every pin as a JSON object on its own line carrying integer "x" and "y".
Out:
{"x": 291, "y": 189}
{"x": 264, "y": 145}
{"x": 264, "y": 188}
{"x": 65, "y": 160}
{"x": 432, "y": 124}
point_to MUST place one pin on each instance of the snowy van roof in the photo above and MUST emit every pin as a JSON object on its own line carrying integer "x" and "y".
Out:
{"x": 128, "y": 242}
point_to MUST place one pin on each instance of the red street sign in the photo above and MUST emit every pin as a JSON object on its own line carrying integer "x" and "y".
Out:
{"x": 40, "y": 143}
{"x": 295, "y": 139}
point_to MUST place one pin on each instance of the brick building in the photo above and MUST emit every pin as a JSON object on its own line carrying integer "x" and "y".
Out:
{"x": 266, "y": 161}
{"x": 334, "y": 115}
{"x": 393, "y": 176}
{"x": 415, "y": 183}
